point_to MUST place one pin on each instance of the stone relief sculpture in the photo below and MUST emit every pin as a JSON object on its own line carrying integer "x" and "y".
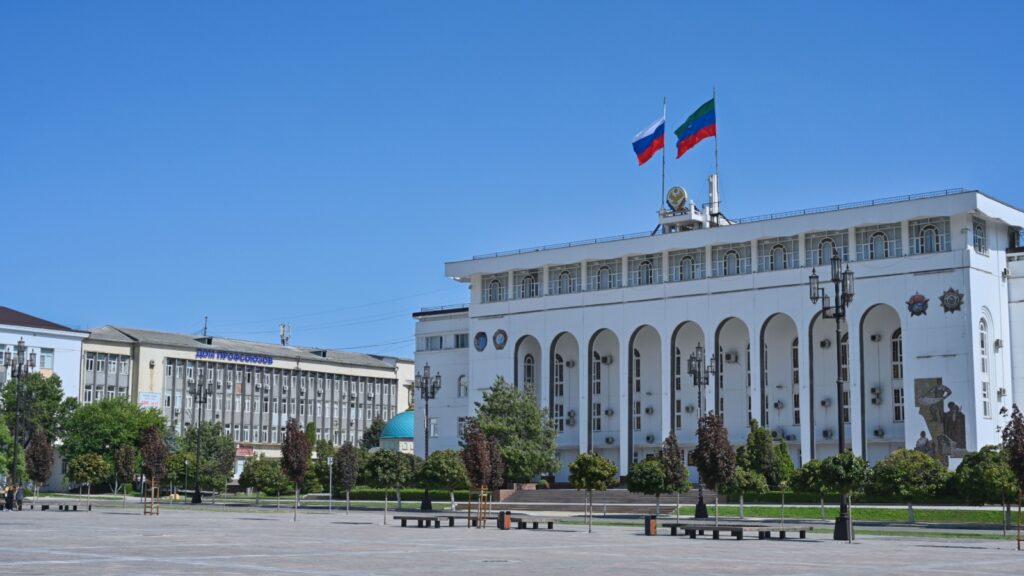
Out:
{"x": 948, "y": 428}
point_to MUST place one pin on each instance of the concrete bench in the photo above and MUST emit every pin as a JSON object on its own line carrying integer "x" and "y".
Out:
{"x": 522, "y": 520}
{"x": 764, "y": 531}
{"x": 422, "y": 520}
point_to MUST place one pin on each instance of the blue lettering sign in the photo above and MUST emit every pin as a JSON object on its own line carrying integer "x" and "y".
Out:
{"x": 235, "y": 357}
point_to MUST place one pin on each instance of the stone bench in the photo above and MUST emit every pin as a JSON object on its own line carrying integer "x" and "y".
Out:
{"x": 764, "y": 531}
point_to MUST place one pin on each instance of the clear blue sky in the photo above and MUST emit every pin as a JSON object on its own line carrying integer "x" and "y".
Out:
{"x": 318, "y": 162}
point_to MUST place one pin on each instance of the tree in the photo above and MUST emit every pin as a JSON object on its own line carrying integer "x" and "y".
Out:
{"x": 154, "y": 453}
{"x": 648, "y": 477}
{"x": 482, "y": 458}
{"x": 217, "y": 454}
{"x": 808, "y": 479}
{"x": 371, "y": 436}
{"x": 984, "y": 477}
{"x": 263, "y": 475}
{"x": 295, "y": 459}
{"x": 908, "y": 474}
{"x": 845, "y": 475}
{"x": 786, "y": 468}
{"x": 591, "y": 471}
{"x": 39, "y": 460}
{"x": 88, "y": 469}
{"x": 1013, "y": 447}
{"x": 346, "y": 470}
{"x": 677, "y": 477}
{"x": 389, "y": 469}
{"x": 714, "y": 455}
{"x": 100, "y": 427}
{"x": 745, "y": 481}
{"x": 43, "y": 406}
{"x": 444, "y": 469}
{"x": 525, "y": 435}
{"x": 125, "y": 464}
{"x": 324, "y": 450}
{"x": 760, "y": 455}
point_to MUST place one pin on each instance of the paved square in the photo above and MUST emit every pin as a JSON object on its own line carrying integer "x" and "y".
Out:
{"x": 246, "y": 541}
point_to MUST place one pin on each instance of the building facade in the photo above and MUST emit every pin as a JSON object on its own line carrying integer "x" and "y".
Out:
{"x": 601, "y": 331}
{"x": 255, "y": 387}
{"x": 57, "y": 348}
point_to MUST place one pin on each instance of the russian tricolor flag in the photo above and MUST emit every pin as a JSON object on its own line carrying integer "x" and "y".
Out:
{"x": 646, "y": 143}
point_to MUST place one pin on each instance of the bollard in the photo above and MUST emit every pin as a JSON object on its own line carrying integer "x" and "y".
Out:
{"x": 74, "y": 508}
{"x": 504, "y": 520}
{"x": 650, "y": 525}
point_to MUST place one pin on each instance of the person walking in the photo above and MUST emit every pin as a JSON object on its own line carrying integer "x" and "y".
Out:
{"x": 9, "y": 497}
{"x": 19, "y": 496}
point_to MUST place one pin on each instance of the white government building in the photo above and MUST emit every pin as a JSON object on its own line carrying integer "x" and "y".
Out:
{"x": 601, "y": 331}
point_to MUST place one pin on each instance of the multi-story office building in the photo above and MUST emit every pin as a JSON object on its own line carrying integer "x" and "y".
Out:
{"x": 930, "y": 352}
{"x": 255, "y": 387}
{"x": 57, "y": 348}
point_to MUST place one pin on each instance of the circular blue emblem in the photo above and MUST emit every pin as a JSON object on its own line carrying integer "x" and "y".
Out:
{"x": 480, "y": 341}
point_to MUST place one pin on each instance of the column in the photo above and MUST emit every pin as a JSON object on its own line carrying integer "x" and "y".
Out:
{"x": 624, "y": 410}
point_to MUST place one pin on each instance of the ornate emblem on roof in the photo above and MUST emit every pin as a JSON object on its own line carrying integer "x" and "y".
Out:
{"x": 677, "y": 198}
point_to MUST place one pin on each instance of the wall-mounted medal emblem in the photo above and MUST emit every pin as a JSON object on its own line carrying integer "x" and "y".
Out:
{"x": 480, "y": 341}
{"x": 951, "y": 300}
{"x": 500, "y": 339}
{"x": 918, "y": 304}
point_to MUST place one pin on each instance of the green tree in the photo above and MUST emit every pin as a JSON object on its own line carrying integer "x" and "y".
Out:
{"x": 88, "y": 469}
{"x": 43, "y": 406}
{"x": 102, "y": 426}
{"x": 648, "y": 477}
{"x": 786, "y": 468}
{"x": 714, "y": 455}
{"x": 39, "y": 460}
{"x": 371, "y": 436}
{"x": 808, "y": 479}
{"x": 389, "y": 469}
{"x": 760, "y": 455}
{"x": 154, "y": 451}
{"x": 324, "y": 450}
{"x": 845, "y": 474}
{"x": 908, "y": 474}
{"x": 525, "y": 435}
{"x": 591, "y": 471}
{"x": 1013, "y": 448}
{"x": 444, "y": 469}
{"x": 125, "y": 464}
{"x": 295, "y": 459}
{"x": 311, "y": 433}
{"x": 217, "y": 453}
{"x": 677, "y": 477}
{"x": 745, "y": 481}
{"x": 346, "y": 471}
{"x": 984, "y": 477}
{"x": 263, "y": 475}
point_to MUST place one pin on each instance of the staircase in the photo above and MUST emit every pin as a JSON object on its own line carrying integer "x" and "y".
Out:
{"x": 615, "y": 501}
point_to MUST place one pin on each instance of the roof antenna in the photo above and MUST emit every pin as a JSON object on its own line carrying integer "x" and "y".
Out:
{"x": 285, "y": 332}
{"x": 205, "y": 318}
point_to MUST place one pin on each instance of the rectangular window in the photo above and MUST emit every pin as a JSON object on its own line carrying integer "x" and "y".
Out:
{"x": 434, "y": 342}
{"x": 90, "y": 363}
{"x": 101, "y": 363}
{"x": 124, "y": 366}
{"x": 462, "y": 340}
{"x": 679, "y": 414}
{"x": 897, "y": 404}
{"x": 846, "y": 406}
{"x": 432, "y": 427}
{"x": 46, "y": 358}
{"x": 636, "y": 415}
{"x": 597, "y": 416}
{"x": 190, "y": 372}
{"x": 88, "y": 395}
{"x": 796, "y": 406}
{"x": 986, "y": 400}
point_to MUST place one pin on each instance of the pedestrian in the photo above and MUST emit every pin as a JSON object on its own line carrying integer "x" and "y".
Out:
{"x": 19, "y": 496}
{"x": 9, "y": 497}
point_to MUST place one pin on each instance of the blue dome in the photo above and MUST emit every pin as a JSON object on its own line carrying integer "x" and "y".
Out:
{"x": 401, "y": 426}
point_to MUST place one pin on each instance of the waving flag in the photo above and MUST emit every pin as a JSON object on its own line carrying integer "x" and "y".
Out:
{"x": 646, "y": 143}
{"x": 697, "y": 127}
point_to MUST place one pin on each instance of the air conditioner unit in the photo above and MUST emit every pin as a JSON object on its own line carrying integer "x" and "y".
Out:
{"x": 876, "y": 337}
{"x": 302, "y": 391}
{"x": 350, "y": 424}
{"x": 731, "y": 358}
{"x": 790, "y": 437}
{"x": 689, "y": 408}
{"x": 775, "y": 433}
{"x": 778, "y": 404}
{"x": 826, "y": 402}
{"x": 650, "y": 438}
{"x": 879, "y": 432}
{"x": 826, "y": 433}
{"x": 649, "y": 410}
{"x": 826, "y": 343}
{"x": 369, "y": 395}
{"x": 319, "y": 391}
{"x": 606, "y": 359}
{"x": 259, "y": 386}
{"x": 284, "y": 388}
{"x": 609, "y": 412}
{"x": 876, "y": 390}
{"x": 570, "y": 363}
{"x": 177, "y": 410}
{"x": 876, "y": 400}
{"x": 609, "y": 440}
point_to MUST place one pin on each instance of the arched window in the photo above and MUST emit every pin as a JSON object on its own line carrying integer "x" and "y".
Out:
{"x": 646, "y": 275}
{"x": 983, "y": 345}
{"x": 732, "y": 263}
{"x": 980, "y": 240}
{"x": 528, "y": 371}
{"x": 565, "y": 282}
{"x": 844, "y": 374}
{"x": 636, "y": 370}
{"x": 796, "y": 380}
{"x": 463, "y": 386}
{"x": 928, "y": 240}
{"x": 778, "y": 258}
{"x": 879, "y": 246}
{"x": 559, "y": 377}
{"x": 604, "y": 278}
{"x": 686, "y": 268}
{"x": 595, "y": 373}
{"x": 897, "y": 354}
{"x": 530, "y": 286}
{"x": 825, "y": 249}
{"x": 494, "y": 291}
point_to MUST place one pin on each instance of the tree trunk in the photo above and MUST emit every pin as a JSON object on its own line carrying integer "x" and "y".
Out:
{"x": 677, "y": 506}
{"x": 451, "y": 495}
{"x": 716, "y": 505}
{"x": 398, "y": 498}
{"x": 88, "y": 495}
{"x": 741, "y": 505}
{"x": 125, "y": 486}
{"x": 1020, "y": 496}
{"x": 910, "y": 512}
{"x": 822, "y": 500}
{"x": 657, "y": 504}
{"x": 1006, "y": 514}
{"x": 782, "y": 517}
{"x": 348, "y": 500}
{"x": 295, "y": 509}
{"x": 590, "y": 511}
{"x": 385, "y": 506}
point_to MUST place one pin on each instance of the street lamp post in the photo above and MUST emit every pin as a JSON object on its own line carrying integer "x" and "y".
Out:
{"x": 19, "y": 365}
{"x": 701, "y": 370}
{"x": 201, "y": 392}
{"x": 842, "y": 284}
{"x": 428, "y": 384}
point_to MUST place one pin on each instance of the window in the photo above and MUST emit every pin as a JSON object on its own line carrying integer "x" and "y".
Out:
{"x": 686, "y": 265}
{"x": 46, "y": 358}
{"x": 927, "y": 240}
{"x": 595, "y": 373}
{"x": 88, "y": 395}
{"x": 980, "y": 236}
{"x": 462, "y": 427}
{"x": 644, "y": 270}
{"x": 113, "y": 365}
{"x": 190, "y": 372}
{"x": 462, "y": 340}
{"x": 124, "y": 365}
{"x": 795, "y": 361}
{"x": 796, "y": 406}
{"x": 930, "y": 235}
{"x": 732, "y": 263}
{"x": 819, "y": 247}
{"x": 90, "y": 363}
{"x": 731, "y": 259}
{"x": 604, "y": 274}
{"x": 604, "y": 278}
{"x": 432, "y": 427}
{"x": 636, "y": 370}
{"x": 494, "y": 292}
{"x": 679, "y": 414}
{"x": 897, "y": 404}
{"x": 846, "y": 404}
{"x": 646, "y": 273}
{"x": 636, "y": 415}
{"x": 825, "y": 252}
{"x": 778, "y": 258}
{"x": 983, "y": 345}
{"x": 434, "y": 342}
{"x": 986, "y": 400}
{"x": 563, "y": 279}
{"x": 897, "y": 355}
{"x": 528, "y": 372}
{"x": 879, "y": 246}
{"x": 463, "y": 387}
{"x": 527, "y": 283}
{"x": 596, "y": 420}
{"x": 677, "y": 369}
{"x": 558, "y": 382}
{"x": 565, "y": 283}
{"x": 844, "y": 358}
{"x": 686, "y": 268}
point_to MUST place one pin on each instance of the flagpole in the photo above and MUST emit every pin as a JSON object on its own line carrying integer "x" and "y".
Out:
{"x": 664, "y": 118}
{"x": 716, "y": 131}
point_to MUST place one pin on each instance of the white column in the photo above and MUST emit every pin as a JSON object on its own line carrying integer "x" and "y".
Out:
{"x": 807, "y": 439}
{"x": 755, "y": 374}
{"x": 855, "y": 384}
{"x": 583, "y": 385}
{"x": 624, "y": 409}
{"x": 755, "y": 263}
{"x": 801, "y": 252}
{"x": 905, "y": 237}
{"x": 665, "y": 386}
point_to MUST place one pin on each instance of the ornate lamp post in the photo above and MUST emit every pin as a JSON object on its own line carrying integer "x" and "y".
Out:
{"x": 428, "y": 385}
{"x": 19, "y": 365}
{"x": 201, "y": 392}
{"x": 701, "y": 370}
{"x": 842, "y": 285}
